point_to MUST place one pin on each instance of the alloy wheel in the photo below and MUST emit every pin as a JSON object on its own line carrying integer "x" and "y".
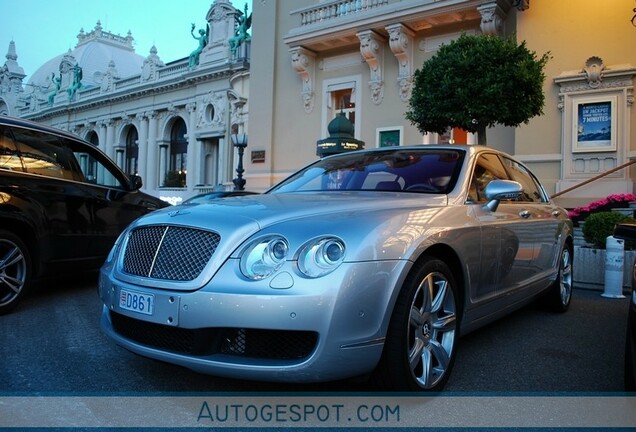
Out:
{"x": 431, "y": 330}
{"x": 565, "y": 276}
{"x": 13, "y": 271}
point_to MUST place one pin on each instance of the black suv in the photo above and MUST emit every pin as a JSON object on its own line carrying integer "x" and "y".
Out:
{"x": 63, "y": 203}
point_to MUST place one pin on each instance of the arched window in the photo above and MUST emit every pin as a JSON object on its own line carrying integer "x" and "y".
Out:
{"x": 176, "y": 176}
{"x": 88, "y": 165}
{"x": 132, "y": 150}
{"x": 93, "y": 138}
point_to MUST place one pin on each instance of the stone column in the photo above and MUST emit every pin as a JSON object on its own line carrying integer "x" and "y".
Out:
{"x": 151, "y": 172}
{"x": 163, "y": 162}
{"x": 110, "y": 138}
{"x": 142, "y": 144}
{"x": 194, "y": 150}
{"x": 119, "y": 158}
{"x": 101, "y": 135}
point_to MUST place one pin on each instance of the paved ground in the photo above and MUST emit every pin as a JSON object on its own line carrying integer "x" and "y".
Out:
{"x": 52, "y": 343}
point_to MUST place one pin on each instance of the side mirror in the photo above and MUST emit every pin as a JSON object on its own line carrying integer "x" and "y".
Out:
{"x": 498, "y": 190}
{"x": 135, "y": 182}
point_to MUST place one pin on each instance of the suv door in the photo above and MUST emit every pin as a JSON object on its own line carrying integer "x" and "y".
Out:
{"x": 60, "y": 218}
{"x": 113, "y": 198}
{"x": 85, "y": 199}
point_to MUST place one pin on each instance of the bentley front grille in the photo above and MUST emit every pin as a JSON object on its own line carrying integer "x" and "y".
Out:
{"x": 169, "y": 252}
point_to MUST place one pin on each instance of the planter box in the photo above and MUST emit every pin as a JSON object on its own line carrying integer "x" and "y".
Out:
{"x": 589, "y": 266}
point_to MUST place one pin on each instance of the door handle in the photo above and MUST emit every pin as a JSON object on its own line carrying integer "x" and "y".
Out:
{"x": 556, "y": 213}
{"x": 525, "y": 214}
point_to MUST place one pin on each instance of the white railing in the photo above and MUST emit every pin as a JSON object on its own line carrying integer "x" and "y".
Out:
{"x": 127, "y": 82}
{"x": 174, "y": 69}
{"x": 336, "y": 9}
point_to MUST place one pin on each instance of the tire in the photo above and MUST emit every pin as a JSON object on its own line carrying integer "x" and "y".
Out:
{"x": 419, "y": 349}
{"x": 559, "y": 294}
{"x": 15, "y": 271}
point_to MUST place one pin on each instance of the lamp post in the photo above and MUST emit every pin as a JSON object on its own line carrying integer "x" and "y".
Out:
{"x": 240, "y": 142}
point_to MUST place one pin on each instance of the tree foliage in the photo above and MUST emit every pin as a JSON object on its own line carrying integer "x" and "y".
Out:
{"x": 475, "y": 82}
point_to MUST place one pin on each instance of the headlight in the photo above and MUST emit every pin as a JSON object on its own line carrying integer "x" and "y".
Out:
{"x": 321, "y": 256}
{"x": 264, "y": 257}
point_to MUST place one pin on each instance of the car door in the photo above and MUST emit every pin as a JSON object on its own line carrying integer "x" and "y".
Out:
{"x": 507, "y": 242}
{"x": 541, "y": 218}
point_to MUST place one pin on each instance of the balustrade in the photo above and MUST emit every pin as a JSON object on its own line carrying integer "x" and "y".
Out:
{"x": 336, "y": 9}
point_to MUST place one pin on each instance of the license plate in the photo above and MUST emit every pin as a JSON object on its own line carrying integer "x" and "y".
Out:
{"x": 136, "y": 302}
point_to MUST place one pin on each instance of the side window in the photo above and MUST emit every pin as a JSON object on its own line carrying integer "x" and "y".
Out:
{"x": 43, "y": 154}
{"x": 487, "y": 168}
{"x": 9, "y": 159}
{"x": 96, "y": 169}
{"x": 532, "y": 192}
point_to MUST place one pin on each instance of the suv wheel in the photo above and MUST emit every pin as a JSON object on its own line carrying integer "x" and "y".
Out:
{"x": 15, "y": 270}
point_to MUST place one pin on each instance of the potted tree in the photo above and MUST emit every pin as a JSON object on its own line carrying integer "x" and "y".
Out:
{"x": 476, "y": 82}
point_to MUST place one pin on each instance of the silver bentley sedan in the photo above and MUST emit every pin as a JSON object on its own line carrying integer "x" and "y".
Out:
{"x": 365, "y": 263}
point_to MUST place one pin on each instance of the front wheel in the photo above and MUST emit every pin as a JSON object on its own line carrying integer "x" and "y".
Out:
{"x": 15, "y": 271}
{"x": 560, "y": 293}
{"x": 419, "y": 350}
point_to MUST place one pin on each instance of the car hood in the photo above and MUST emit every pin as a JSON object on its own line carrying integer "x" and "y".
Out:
{"x": 261, "y": 211}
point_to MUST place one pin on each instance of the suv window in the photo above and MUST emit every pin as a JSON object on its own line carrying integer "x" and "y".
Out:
{"x": 9, "y": 159}
{"x": 93, "y": 166}
{"x": 43, "y": 154}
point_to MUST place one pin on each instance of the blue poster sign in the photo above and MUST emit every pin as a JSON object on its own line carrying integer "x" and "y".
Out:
{"x": 594, "y": 125}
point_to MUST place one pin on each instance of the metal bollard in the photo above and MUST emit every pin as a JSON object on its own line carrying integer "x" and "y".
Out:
{"x": 614, "y": 262}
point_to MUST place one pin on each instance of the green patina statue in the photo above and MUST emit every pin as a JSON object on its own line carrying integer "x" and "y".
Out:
{"x": 58, "y": 83}
{"x": 77, "y": 82}
{"x": 203, "y": 41}
{"x": 244, "y": 22}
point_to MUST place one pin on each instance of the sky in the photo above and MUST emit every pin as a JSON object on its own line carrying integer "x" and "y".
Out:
{"x": 43, "y": 29}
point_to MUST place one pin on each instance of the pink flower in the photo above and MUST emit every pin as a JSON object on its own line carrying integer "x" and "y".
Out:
{"x": 607, "y": 203}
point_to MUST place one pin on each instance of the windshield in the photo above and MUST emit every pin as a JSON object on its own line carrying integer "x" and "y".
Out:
{"x": 412, "y": 170}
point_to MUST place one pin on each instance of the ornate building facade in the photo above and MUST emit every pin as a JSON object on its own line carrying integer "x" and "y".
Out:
{"x": 310, "y": 60}
{"x": 359, "y": 57}
{"x": 170, "y": 123}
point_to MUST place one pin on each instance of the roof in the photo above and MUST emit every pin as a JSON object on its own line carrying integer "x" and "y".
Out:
{"x": 93, "y": 53}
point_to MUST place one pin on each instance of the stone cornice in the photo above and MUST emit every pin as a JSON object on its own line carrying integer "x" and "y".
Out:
{"x": 135, "y": 92}
{"x": 596, "y": 76}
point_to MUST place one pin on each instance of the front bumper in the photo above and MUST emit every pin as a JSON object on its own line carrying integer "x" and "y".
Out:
{"x": 290, "y": 329}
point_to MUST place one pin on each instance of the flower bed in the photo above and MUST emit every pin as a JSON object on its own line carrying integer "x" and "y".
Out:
{"x": 606, "y": 204}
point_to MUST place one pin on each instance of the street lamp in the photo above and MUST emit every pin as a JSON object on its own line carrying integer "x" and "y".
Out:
{"x": 240, "y": 142}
